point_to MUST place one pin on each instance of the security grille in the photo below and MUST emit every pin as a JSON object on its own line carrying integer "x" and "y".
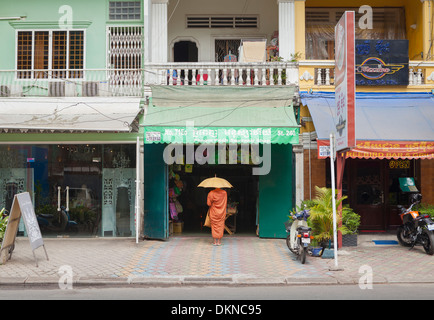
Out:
{"x": 125, "y": 55}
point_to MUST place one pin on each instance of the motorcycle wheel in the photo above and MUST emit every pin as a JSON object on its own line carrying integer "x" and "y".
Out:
{"x": 401, "y": 238}
{"x": 302, "y": 254}
{"x": 288, "y": 241}
{"x": 428, "y": 241}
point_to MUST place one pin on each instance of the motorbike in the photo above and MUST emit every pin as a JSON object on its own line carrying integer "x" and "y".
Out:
{"x": 299, "y": 235}
{"x": 60, "y": 223}
{"x": 416, "y": 229}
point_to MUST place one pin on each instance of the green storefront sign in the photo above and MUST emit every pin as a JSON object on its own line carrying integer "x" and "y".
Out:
{"x": 213, "y": 135}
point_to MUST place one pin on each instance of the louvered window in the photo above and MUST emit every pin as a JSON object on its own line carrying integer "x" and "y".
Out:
{"x": 233, "y": 22}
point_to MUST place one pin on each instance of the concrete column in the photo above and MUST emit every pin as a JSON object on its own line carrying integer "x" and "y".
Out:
{"x": 147, "y": 30}
{"x": 426, "y": 25}
{"x": 286, "y": 28}
{"x": 159, "y": 30}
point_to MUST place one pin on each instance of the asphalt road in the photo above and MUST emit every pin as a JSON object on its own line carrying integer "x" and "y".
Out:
{"x": 221, "y": 293}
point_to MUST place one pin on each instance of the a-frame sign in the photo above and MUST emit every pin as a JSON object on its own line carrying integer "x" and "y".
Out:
{"x": 22, "y": 206}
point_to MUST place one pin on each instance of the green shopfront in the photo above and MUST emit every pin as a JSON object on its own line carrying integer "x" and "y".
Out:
{"x": 245, "y": 135}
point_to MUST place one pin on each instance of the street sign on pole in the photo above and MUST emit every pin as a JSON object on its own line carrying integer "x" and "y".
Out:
{"x": 344, "y": 136}
{"x": 345, "y": 82}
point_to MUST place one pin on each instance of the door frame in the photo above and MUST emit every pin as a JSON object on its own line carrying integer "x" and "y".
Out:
{"x": 389, "y": 211}
{"x": 364, "y": 210}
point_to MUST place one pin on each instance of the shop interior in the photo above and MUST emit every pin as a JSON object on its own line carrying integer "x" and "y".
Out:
{"x": 188, "y": 202}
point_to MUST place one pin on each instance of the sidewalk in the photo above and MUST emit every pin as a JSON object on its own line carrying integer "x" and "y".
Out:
{"x": 192, "y": 260}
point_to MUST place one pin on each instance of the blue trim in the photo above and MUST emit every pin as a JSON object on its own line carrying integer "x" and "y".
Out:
{"x": 370, "y": 95}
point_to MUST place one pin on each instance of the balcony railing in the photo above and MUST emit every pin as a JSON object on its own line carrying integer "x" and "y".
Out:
{"x": 222, "y": 74}
{"x": 133, "y": 82}
{"x": 71, "y": 83}
{"x": 321, "y": 72}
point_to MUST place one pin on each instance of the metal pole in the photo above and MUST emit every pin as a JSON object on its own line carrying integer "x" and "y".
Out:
{"x": 137, "y": 189}
{"x": 332, "y": 168}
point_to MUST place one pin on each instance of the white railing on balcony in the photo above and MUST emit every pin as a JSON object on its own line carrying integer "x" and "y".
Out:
{"x": 323, "y": 72}
{"x": 71, "y": 83}
{"x": 222, "y": 74}
{"x": 133, "y": 82}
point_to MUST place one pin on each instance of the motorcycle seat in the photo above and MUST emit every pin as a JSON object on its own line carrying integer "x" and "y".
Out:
{"x": 304, "y": 229}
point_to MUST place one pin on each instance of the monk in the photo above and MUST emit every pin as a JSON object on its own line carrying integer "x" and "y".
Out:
{"x": 217, "y": 202}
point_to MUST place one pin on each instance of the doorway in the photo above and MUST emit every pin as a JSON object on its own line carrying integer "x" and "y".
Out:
{"x": 185, "y": 51}
{"x": 374, "y": 190}
{"x": 191, "y": 201}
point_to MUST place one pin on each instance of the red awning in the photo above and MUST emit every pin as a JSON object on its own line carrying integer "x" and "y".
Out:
{"x": 384, "y": 150}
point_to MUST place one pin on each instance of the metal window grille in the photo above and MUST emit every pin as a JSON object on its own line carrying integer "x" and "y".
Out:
{"x": 125, "y": 54}
{"x": 44, "y": 50}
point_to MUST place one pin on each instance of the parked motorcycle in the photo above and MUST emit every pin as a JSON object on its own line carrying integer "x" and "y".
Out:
{"x": 416, "y": 229}
{"x": 298, "y": 239}
{"x": 60, "y": 223}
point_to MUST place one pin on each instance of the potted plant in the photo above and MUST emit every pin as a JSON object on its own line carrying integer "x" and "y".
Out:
{"x": 321, "y": 217}
{"x": 350, "y": 224}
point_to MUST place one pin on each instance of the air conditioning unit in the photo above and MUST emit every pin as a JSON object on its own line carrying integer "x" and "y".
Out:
{"x": 5, "y": 91}
{"x": 56, "y": 89}
{"x": 13, "y": 90}
{"x": 89, "y": 89}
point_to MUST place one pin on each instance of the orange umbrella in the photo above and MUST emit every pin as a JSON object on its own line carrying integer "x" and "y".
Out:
{"x": 215, "y": 183}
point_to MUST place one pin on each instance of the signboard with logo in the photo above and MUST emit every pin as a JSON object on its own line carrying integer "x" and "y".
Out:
{"x": 382, "y": 62}
{"x": 345, "y": 92}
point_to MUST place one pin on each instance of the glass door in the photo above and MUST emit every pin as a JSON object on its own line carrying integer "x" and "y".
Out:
{"x": 68, "y": 190}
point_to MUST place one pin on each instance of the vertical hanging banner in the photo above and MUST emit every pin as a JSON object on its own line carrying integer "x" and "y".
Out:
{"x": 345, "y": 84}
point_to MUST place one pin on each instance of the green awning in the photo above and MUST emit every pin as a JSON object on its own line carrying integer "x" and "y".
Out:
{"x": 221, "y": 115}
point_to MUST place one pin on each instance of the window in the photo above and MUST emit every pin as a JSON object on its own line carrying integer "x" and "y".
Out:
{"x": 44, "y": 54}
{"x": 125, "y": 55}
{"x": 224, "y": 47}
{"x": 124, "y": 10}
{"x": 388, "y": 23}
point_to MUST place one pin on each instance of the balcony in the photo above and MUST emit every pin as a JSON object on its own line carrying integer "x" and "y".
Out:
{"x": 135, "y": 82}
{"x": 223, "y": 74}
{"x": 71, "y": 83}
{"x": 320, "y": 73}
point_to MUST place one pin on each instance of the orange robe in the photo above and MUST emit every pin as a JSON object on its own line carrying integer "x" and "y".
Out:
{"x": 217, "y": 202}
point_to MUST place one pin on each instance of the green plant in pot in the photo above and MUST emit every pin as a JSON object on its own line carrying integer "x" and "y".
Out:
{"x": 321, "y": 216}
{"x": 350, "y": 225}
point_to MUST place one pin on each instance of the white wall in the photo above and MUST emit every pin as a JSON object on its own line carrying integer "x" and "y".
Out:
{"x": 266, "y": 10}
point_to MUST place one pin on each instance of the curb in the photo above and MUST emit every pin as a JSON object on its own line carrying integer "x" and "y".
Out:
{"x": 176, "y": 281}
